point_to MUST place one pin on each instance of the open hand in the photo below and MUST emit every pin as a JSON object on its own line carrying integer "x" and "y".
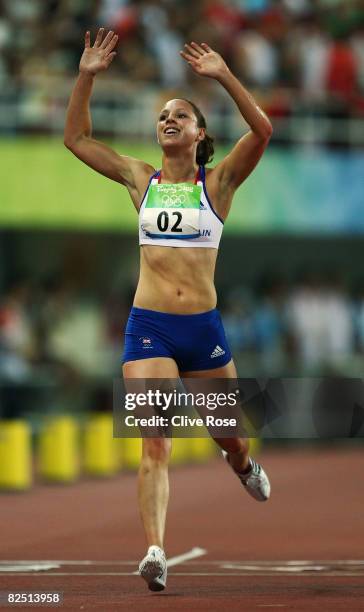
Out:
{"x": 204, "y": 61}
{"x": 99, "y": 57}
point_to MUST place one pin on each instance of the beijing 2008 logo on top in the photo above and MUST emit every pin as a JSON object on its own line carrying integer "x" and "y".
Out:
{"x": 184, "y": 195}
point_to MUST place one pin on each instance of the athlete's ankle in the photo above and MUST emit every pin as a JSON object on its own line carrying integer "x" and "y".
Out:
{"x": 155, "y": 548}
{"x": 240, "y": 462}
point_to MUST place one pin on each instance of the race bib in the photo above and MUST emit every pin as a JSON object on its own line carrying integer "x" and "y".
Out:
{"x": 172, "y": 211}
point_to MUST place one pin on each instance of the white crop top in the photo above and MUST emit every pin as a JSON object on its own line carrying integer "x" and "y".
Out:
{"x": 179, "y": 214}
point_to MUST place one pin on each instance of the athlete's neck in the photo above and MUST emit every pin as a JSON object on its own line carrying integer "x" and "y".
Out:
{"x": 178, "y": 169}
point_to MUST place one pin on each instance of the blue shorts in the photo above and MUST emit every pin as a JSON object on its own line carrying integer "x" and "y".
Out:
{"x": 194, "y": 341}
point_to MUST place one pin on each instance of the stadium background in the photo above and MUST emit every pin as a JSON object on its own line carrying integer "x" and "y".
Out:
{"x": 290, "y": 275}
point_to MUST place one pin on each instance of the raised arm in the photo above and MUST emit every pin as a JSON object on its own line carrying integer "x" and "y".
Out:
{"x": 243, "y": 158}
{"x": 78, "y": 128}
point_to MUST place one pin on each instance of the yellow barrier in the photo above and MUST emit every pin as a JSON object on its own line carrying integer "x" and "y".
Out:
{"x": 58, "y": 450}
{"x": 101, "y": 452}
{"x": 131, "y": 450}
{"x": 255, "y": 446}
{"x": 181, "y": 451}
{"x": 15, "y": 455}
{"x": 202, "y": 449}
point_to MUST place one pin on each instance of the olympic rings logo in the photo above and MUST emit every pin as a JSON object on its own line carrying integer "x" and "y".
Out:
{"x": 173, "y": 200}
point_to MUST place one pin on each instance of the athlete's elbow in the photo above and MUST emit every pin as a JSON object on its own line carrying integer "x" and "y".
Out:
{"x": 70, "y": 141}
{"x": 67, "y": 143}
{"x": 265, "y": 132}
{"x": 269, "y": 131}
{"x": 264, "y": 128}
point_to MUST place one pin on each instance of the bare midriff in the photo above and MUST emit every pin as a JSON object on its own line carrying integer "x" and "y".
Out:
{"x": 176, "y": 280}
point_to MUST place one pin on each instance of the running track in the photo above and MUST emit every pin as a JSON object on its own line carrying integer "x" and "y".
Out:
{"x": 315, "y": 515}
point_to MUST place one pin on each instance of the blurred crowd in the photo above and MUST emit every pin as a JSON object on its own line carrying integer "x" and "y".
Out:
{"x": 312, "y": 326}
{"x": 301, "y": 56}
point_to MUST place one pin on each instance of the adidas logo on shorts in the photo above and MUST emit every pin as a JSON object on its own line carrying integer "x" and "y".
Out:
{"x": 217, "y": 352}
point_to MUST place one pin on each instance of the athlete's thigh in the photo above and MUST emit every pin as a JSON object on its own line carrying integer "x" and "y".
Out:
{"x": 156, "y": 440}
{"x": 226, "y": 371}
{"x": 154, "y": 367}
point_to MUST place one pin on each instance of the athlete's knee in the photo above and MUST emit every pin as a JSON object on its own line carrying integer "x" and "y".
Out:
{"x": 157, "y": 450}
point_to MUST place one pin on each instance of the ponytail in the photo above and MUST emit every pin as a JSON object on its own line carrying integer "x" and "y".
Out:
{"x": 205, "y": 150}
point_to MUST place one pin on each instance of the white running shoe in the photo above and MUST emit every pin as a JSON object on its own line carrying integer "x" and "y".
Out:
{"x": 153, "y": 568}
{"x": 256, "y": 481}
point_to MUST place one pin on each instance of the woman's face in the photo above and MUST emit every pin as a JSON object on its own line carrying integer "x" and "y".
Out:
{"x": 177, "y": 125}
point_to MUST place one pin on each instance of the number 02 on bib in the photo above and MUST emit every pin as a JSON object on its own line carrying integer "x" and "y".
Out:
{"x": 172, "y": 211}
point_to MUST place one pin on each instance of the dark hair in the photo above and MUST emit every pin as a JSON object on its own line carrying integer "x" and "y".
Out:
{"x": 205, "y": 148}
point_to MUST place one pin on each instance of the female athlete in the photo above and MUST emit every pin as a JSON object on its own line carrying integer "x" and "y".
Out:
{"x": 174, "y": 328}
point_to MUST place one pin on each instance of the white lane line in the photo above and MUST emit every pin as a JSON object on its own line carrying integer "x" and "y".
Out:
{"x": 40, "y": 566}
{"x": 194, "y": 553}
{"x": 292, "y": 567}
{"x": 325, "y": 561}
{"x": 236, "y": 574}
{"x": 191, "y": 554}
{"x": 276, "y": 568}
{"x": 61, "y": 562}
{"x": 235, "y": 563}
{"x": 349, "y": 567}
{"x": 282, "y": 562}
